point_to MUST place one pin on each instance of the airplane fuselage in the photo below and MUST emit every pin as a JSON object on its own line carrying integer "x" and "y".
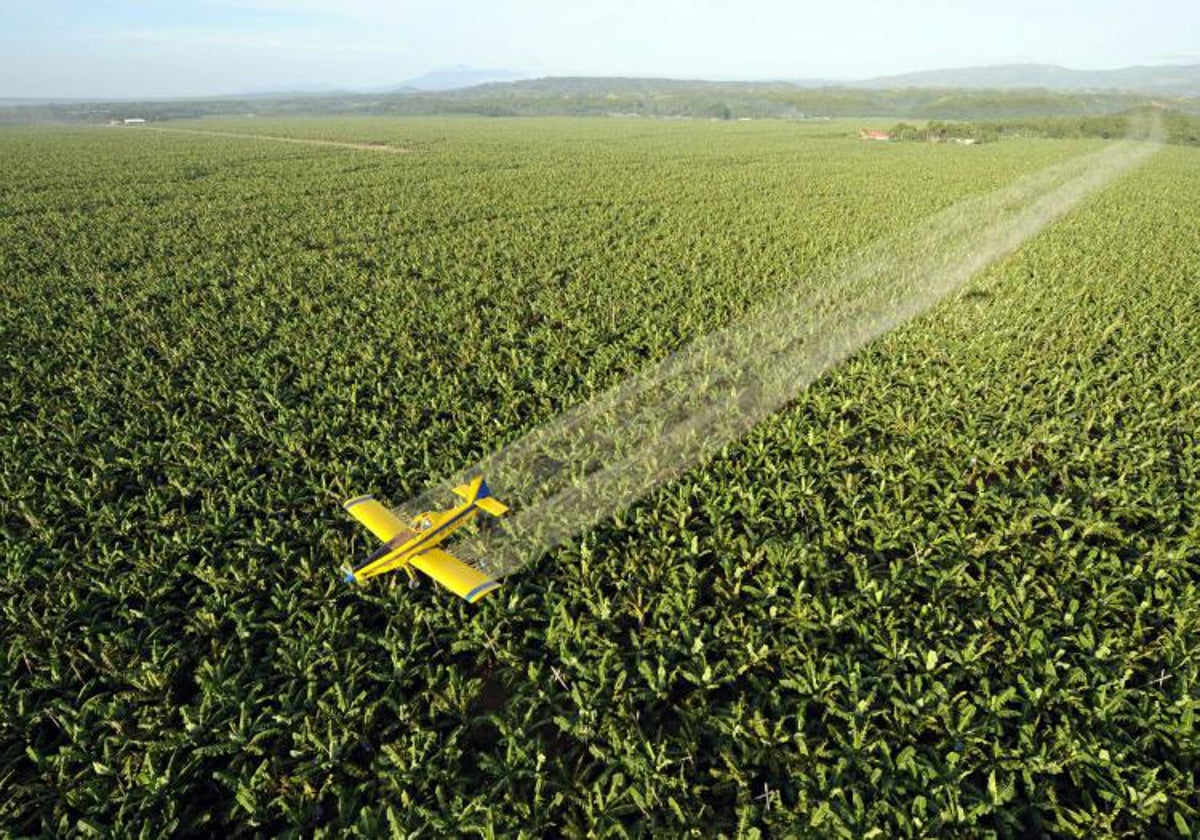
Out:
{"x": 415, "y": 545}
{"x": 441, "y": 526}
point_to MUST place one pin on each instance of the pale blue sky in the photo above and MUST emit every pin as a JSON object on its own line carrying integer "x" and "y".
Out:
{"x": 128, "y": 48}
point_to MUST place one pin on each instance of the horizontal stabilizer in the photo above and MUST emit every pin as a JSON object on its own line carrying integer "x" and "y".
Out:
{"x": 378, "y": 519}
{"x": 463, "y": 580}
{"x": 492, "y": 506}
{"x": 469, "y": 490}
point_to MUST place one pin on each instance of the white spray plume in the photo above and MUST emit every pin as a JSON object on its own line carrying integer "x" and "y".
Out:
{"x": 594, "y": 460}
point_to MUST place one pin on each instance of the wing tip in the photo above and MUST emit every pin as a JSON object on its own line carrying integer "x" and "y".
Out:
{"x": 358, "y": 500}
{"x": 481, "y": 590}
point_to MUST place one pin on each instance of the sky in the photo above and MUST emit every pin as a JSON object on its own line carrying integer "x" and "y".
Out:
{"x": 108, "y": 49}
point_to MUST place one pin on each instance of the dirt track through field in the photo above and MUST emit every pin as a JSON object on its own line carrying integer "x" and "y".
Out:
{"x": 302, "y": 141}
{"x": 594, "y": 460}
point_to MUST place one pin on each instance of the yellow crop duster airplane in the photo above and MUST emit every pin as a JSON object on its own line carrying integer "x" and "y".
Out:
{"x": 415, "y": 545}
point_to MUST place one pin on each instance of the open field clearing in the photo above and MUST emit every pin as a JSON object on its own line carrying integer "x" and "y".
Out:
{"x": 304, "y": 141}
{"x": 953, "y": 588}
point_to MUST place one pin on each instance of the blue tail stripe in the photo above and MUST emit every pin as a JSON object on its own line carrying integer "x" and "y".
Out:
{"x": 484, "y": 490}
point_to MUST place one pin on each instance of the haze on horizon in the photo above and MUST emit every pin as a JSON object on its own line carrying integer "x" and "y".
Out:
{"x": 117, "y": 49}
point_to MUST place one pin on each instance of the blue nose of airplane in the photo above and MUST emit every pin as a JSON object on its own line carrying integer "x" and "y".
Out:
{"x": 349, "y": 577}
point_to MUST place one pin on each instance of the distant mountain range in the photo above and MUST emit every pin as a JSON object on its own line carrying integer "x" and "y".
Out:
{"x": 976, "y": 93}
{"x": 1178, "y": 80}
{"x": 1175, "y": 80}
{"x": 459, "y": 76}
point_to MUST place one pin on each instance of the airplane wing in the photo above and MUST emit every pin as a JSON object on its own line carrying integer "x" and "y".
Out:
{"x": 383, "y": 524}
{"x": 378, "y": 519}
{"x": 452, "y": 573}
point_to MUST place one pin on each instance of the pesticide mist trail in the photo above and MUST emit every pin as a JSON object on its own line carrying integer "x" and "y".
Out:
{"x": 599, "y": 457}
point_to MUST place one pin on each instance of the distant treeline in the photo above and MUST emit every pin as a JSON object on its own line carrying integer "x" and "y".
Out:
{"x": 1175, "y": 127}
{"x": 631, "y": 97}
{"x": 936, "y": 131}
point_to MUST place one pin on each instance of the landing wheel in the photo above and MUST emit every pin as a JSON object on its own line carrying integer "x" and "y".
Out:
{"x": 414, "y": 582}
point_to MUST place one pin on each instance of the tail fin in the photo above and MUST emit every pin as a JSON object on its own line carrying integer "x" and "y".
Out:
{"x": 480, "y": 494}
{"x": 485, "y": 501}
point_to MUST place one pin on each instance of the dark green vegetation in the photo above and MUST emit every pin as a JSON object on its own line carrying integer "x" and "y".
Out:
{"x": 586, "y": 96}
{"x": 952, "y": 590}
{"x": 1176, "y": 127}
